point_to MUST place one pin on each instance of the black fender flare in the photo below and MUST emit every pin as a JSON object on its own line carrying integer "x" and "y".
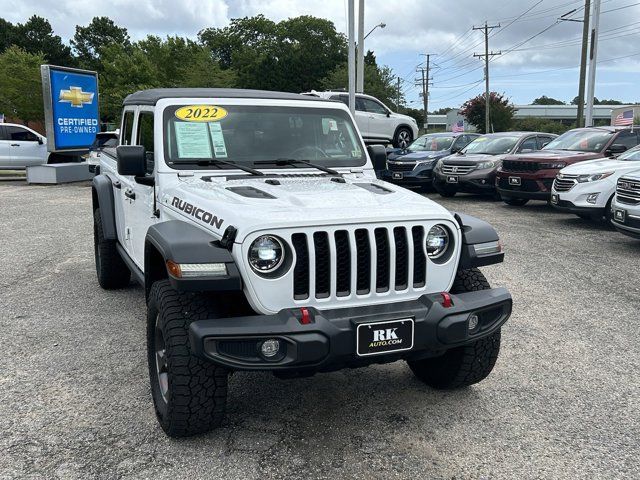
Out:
{"x": 102, "y": 195}
{"x": 480, "y": 242}
{"x": 182, "y": 242}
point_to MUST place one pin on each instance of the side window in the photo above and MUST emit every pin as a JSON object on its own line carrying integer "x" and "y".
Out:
{"x": 528, "y": 144}
{"x": 360, "y": 105}
{"x": 460, "y": 142}
{"x": 20, "y": 134}
{"x": 372, "y": 106}
{"x": 628, "y": 139}
{"x": 144, "y": 137}
{"x": 342, "y": 98}
{"x": 3, "y": 135}
{"x": 542, "y": 141}
{"x": 127, "y": 128}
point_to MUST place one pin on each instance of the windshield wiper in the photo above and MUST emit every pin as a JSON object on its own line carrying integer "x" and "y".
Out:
{"x": 218, "y": 163}
{"x": 293, "y": 161}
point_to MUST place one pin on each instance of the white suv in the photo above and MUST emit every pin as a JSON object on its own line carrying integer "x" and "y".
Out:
{"x": 21, "y": 147}
{"x": 587, "y": 188}
{"x": 376, "y": 122}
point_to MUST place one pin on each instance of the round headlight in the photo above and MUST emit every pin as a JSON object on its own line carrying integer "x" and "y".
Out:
{"x": 266, "y": 254}
{"x": 437, "y": 241}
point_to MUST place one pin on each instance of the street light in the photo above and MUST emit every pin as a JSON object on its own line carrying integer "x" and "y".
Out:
{"x": 381, "y": 25}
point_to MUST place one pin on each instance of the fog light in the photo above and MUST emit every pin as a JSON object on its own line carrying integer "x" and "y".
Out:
{"x": 473, "y": 321}
{"x": 270, "y": 348}
{"x": 592, "y": 198}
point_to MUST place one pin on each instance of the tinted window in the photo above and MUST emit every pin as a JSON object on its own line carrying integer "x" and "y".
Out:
{"x": 20, "y": 134}
{"x": 528, "y": 144}
{"x": 127, "y": 128}
{"x": 460, "y": 142}
{"x": 145, "y": 136}
{"x": 3, "y": 136}
{"x": 342, "y": 98}
{"x": 372, "y": 106}
{"x": 359, "y": 104}
{"x": 581, "y": 140}
{"x": 627, "y": 139}
{"x": 543, "y": 141}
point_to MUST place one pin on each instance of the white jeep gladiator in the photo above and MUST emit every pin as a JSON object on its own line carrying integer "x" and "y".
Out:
{"x": 263, "y": 241}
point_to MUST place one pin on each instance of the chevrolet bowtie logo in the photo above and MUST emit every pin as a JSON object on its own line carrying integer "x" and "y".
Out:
{"x": 76, "y": 97}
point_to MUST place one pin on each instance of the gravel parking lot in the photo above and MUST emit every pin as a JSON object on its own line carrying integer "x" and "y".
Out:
{"x": 561, "y": 403}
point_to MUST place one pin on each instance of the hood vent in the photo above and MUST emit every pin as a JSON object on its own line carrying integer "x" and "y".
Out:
{"x": 250, "y": 192}
{"x": 373, "y": 188}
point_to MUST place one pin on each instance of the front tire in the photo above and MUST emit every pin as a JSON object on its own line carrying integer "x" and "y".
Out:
{"x": 461, "y": 366}
{"x": 402, "y": 138}
{"x": 515, "y": 202}
{"x": 189, "y": 393}
{"x": 111, "y": 270}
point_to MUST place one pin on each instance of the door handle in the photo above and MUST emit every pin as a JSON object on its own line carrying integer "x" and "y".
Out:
{"x": 130, "y": 194}
{"x": 15, "y": 144}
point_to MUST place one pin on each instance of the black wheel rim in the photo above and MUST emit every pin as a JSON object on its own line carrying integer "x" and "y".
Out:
{"x": 403, "y": 139}
{"x": 161, "y": 361}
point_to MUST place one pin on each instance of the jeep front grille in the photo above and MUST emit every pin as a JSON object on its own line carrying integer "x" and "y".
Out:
{"x": 628, "y": 191}
{"x": 383, "y": 259}
{"x": 457, "y": 169}
{"x": 564, "y": 183}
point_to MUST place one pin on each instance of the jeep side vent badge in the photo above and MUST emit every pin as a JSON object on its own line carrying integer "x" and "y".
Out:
{"x": 272, "y": 181}
{"x": 250, "y": 192}
{"x": 373, "y": 188}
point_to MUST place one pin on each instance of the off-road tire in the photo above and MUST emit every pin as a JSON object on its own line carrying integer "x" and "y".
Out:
{"x": 515, "y": 202}
{"x": 402, "y": 138}
{"x": 196, "y": 398}
{"x": 111, "y": 270}
{"x": 466, "y": 365}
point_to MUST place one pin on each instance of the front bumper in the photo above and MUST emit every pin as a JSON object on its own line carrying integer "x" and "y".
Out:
{"x": 569, "y": 207}
{"x": 328, "y": 342}
{"x": 532, "y": 186}
{"x": 420, "y": 175}
{"x": 476, "y": 181}
{"x": 629, "y": 224}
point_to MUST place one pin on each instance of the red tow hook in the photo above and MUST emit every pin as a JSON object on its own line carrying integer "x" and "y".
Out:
{"x": 305, "y": 319}
{"x": 446, "y": 300}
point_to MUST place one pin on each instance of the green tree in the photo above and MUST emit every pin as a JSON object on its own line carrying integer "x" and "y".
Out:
{"x": 500, "y": 110}
{"x": 443, "y": 111}
{"x": 544, "y": 100}
{"x": 88, "y": 42}
{"x": 416, "y": 113}
{"x": 20, "y": 84}
{"x": 36, "y": 36}
{"x": 532, "y": 124}
{"x": 609, "y": 101}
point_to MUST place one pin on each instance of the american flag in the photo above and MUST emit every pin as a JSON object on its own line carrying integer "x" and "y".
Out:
{"x": 459, "y": 126}
{"x": 624, "y": 118}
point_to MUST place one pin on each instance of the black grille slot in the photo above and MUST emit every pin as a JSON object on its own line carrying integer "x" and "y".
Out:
{"x": 402, "y": 257}
{"x": 323, "y": 266}
{"x": 382, "y": 260}
{"x": 363, "y": 262}
{"x": 518, "y": 166}
{"x": 419, "y": 258}
{"x": 238, "y": 348}
{"x": 401, "y": 167}
{"x": 343, "y": 264}
{"x": 301, "y": 270}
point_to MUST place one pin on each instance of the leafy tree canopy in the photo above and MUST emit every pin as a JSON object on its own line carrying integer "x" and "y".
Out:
{"x": 36, "y": 36}
{"x": 21, "y": 99}
{"x": 88, "y": 42}
{"x": 544, "y": 100}
{"x": 500, "y": 110}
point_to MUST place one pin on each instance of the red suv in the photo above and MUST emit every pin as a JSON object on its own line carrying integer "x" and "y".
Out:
{"x": 529, "y": 176}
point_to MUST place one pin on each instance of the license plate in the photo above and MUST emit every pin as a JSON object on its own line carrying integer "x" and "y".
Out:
{"x": 619, "y": 215}
{"x": 554, "y": 198}
{"x": 452, "y": 179}
{"x": 384, "y": 337}
{"x": 397, "y": 175}
{"x": 515, "y": 181}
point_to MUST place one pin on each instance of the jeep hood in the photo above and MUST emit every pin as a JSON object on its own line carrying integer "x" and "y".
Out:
{"x": 599, "y": 166}
{"x": 557, "y": 155}
{"x": 251, "y": 204}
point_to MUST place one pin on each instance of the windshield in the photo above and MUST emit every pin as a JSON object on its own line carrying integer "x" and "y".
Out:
{"x": 581, "y": 141}
{"x": 431, "y": 143}
{"x": 491, "y": 145}
{"x": 104, "y": 140}
{"x": 246, "y": 134}
{"x": 632, "y": 155}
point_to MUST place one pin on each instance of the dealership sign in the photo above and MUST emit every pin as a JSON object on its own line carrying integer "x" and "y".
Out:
{"x": 70, "y": 107}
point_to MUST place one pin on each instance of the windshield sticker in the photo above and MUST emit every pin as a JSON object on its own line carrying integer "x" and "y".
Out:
{"x": 219, "y": 147}
{"x": 192, "y": 140}
{"x": 201, "y": 113}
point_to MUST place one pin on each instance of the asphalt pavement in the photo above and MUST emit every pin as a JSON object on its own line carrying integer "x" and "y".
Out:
{"x": 562, "y": 401}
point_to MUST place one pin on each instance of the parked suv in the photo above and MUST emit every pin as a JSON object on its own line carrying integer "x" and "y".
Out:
{"x": 21, "y": 147}
{"x": 413, "y": 166}
{"x": 376, "y": 122}
{"x": 587, "y": 188}
{"x": 474, "y": 168}
{"x": 625, "y": 208}
{"x": 530, "y": 176}
{"x": 263, "y": 241}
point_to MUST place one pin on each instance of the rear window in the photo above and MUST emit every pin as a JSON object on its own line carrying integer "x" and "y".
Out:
{"x": 247, "y": 134}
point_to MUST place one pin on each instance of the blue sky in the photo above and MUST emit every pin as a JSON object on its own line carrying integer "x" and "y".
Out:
{"x": 538, "y": 51}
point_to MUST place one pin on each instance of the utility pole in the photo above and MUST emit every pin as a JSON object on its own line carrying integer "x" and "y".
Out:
{"x": 351, "y": 64}
{"x": 583, "y": 64}
{"x": 424, "y": 81}
{"x": 486, "y": 55}
{"x": 360, "y": 52}
{"x": 398, "y": 95}
{"x": 593, "y": 55}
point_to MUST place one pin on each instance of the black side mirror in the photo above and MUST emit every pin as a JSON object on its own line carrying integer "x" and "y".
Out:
{"x": 40, "y": 141}
{"x": 378, "y": 155}
{"x": 132, "y": 160}
{"x": 389, "y": 113}
{"x": 615, "y": 149}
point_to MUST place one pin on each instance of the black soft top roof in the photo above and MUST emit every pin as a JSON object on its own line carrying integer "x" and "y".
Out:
{"x": 151, "y": 96}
